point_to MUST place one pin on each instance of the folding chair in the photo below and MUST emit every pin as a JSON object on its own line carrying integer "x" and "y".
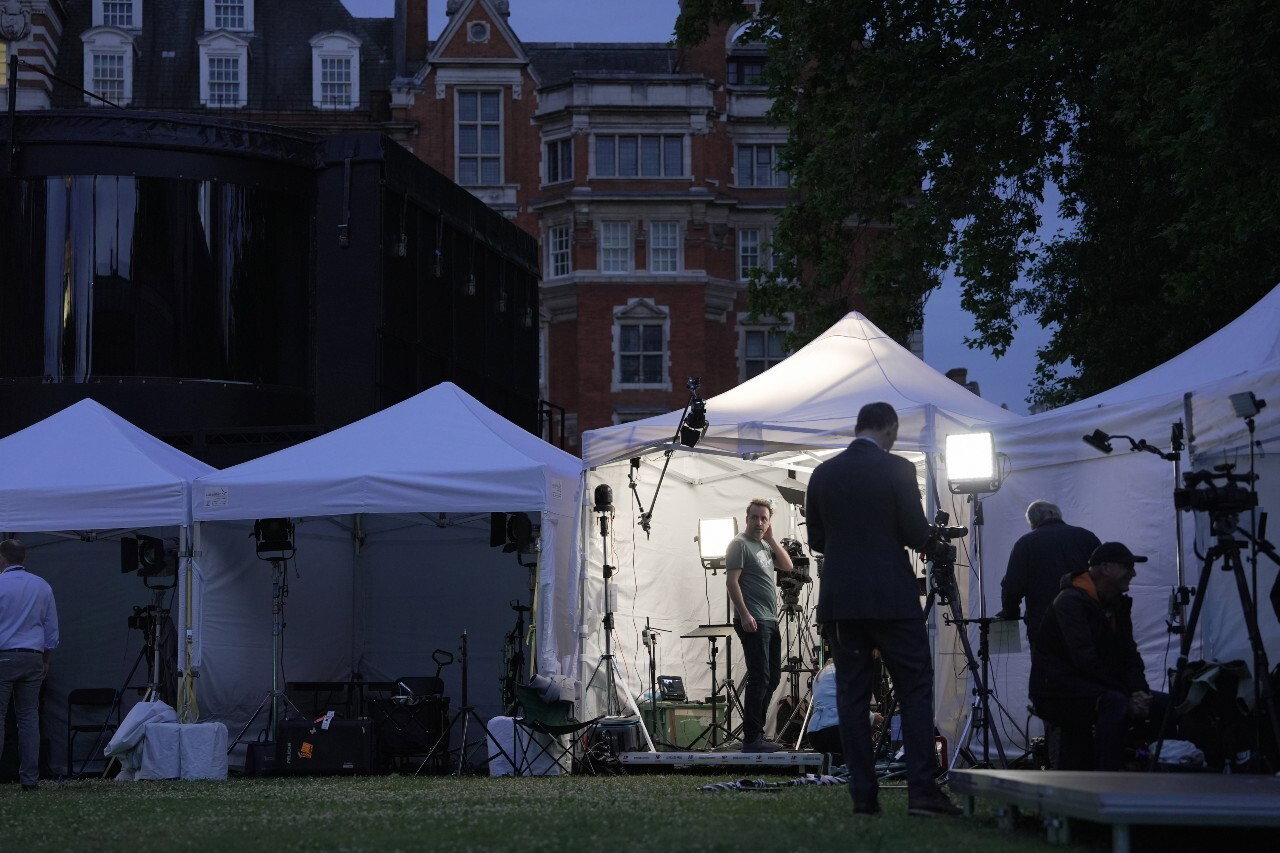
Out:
{"x": 550, "y": 719}
{"x": 99, "y": 704}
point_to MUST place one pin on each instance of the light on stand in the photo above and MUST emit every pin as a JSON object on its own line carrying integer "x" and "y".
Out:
{"x": 1246, "y": 404}
{"x": 971, "y": 463}
{"x": 714, "y": 536}
{"x": 1099, "y": 441}
{"x": 275, "y": 538}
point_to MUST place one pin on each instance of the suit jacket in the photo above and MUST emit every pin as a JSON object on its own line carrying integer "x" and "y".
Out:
{"x": 1036, "y": 566}
{"x": 862, "y": 512}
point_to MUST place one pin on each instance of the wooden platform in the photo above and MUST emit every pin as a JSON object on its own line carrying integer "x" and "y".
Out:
{"x": 1127, "y": 799}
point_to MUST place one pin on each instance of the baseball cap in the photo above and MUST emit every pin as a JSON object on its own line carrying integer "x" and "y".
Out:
{"x": 1114, "y": 552}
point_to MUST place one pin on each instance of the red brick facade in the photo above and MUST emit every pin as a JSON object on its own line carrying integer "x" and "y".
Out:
{"x": 672, "y": 125}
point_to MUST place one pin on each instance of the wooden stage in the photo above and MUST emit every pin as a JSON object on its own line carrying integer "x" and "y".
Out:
{"x": 1126, "y": 799}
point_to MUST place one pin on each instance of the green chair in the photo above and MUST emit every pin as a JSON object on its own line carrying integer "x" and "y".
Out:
{"x": 547, "y": 718}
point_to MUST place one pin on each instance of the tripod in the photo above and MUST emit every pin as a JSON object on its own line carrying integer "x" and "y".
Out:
{"x": 1224, "y": 525}
{"x": 713, "y": 633}
{"x": 466, "y": 713}
{"x": 275, "y": 696}
{"x": 650, "y": 639}
{"x": 514, "y": 657}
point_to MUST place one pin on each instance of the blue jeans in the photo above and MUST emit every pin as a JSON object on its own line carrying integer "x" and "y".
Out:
{"x": 21, "y": 674}
{"x": 763, "y": 650}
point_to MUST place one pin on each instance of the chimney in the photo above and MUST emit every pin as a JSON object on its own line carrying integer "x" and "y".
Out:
{"x": 958, "y": 375}
{"x": 410, "y": 35}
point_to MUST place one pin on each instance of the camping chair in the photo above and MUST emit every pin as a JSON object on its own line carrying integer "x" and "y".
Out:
{"x": 546, "y": 718}
{"x": 101, "y": 703}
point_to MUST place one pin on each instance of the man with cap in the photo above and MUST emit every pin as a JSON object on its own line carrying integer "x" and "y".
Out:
{"x": 1085, "y": 668}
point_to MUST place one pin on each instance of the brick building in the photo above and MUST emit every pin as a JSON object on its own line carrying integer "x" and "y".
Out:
{"x": 647, "y": 173}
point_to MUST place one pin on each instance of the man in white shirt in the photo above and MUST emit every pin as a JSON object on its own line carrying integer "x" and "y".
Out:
{"x": 28, "y": 636}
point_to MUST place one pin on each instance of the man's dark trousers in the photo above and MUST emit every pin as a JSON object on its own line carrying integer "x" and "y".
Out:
{"x": 904, "y": 648}
{"x": 762, "y": 649}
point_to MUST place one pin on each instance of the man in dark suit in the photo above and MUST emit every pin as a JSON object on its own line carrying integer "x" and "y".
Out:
{"x": 1039, "y": 560}
{"x": 863, "y": 512}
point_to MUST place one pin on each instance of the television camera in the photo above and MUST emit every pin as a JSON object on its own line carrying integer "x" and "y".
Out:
{"x": 1220, "y": 491}
{"x": 790, "y": 583}
{"x": 941, "y": 554}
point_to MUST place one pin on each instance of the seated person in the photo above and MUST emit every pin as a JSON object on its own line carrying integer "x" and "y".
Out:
{"x": 1085, "y": 668}
{"x": 824, "y": 724}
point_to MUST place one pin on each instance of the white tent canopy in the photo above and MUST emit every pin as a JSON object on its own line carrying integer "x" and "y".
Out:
{"x": 1127, "y": 496}
{"x": 779, "y": 425}
{"x": 810, "y": 400}
{"x": 86, "y": 468}
{"x": 398, "y": 550}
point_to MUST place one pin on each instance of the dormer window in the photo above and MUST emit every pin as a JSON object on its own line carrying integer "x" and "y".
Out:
{"x": 235, "y": 15}
{"x": 108, "y": 66}
{"x": 224, "y": 66}
{"x": 335, "y": 71}
{"x": 126, "y": 14}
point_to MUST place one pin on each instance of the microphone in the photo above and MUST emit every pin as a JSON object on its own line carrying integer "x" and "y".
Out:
{"x": 1098, "y": 440}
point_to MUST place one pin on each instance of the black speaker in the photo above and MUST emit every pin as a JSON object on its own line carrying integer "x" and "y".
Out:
{"x": 304, "y": 747}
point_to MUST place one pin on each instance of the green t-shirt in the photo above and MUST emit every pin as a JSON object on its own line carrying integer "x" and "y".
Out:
{"x": 759, "y": 587}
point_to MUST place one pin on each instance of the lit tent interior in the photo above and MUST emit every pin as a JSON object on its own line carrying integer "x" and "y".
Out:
{"x": 770, "y": 431}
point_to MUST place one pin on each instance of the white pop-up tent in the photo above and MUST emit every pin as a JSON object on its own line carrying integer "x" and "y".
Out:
{"x": 769, "y": 431}
{"x": 392, "y": 555}
{"x": 72, "y": 484}
{"x": 1127, "y": 496}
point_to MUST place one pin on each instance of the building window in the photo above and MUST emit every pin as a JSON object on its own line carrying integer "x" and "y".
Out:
{"x": 642, "y": 352}
{"x": 479, "y": 139}
{"x": 640, "y": 156}
{"x": 228, "y": 15}
{"x": 559, "y": 245}
{"x": 762, "y": 349}
{"x": 108, "y": 76}
{"x": 224, "y": 63}
{"x": 664, "y": 246}
{"x": 615, "y": 247}
{"x": 335, "y": 81}
{"x": 224, "y": 81}
{"x": 559, "y": 160}
{"x": 478, "y": 32}
{"x": 746, "y": 71}
{"x": 335, "y": 71}
{"x": 117, "y": 13}
{"x": 749, "y": 252}
{"x": 758, "y": 166}
{"x": 4, "y": 63}
{"x": 108, "y": 66}
{"x": 641, "y": 331}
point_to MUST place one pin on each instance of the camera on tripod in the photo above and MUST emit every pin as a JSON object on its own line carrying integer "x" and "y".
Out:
{"x": 1217, "y": 491}
{"x": 790, "y": 583}
{"x": 937, "y": 549}
{"x": 144, "y": 618}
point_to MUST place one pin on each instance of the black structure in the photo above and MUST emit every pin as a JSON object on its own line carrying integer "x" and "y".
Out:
{"x": 235, "y": 288}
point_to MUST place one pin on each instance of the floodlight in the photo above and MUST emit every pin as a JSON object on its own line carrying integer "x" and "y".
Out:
{"x": 714, "y": 536}
{"x": 971, "y": 463}
{"x": 275, "y": 538}
{"x": 1246, "y": 405}
{"x": 1099, "y": 441}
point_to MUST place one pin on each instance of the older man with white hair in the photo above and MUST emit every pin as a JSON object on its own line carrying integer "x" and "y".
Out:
{"x": 1039, "y": 561}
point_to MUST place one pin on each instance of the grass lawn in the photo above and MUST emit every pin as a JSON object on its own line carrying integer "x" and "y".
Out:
{"x": 385, "y": 813}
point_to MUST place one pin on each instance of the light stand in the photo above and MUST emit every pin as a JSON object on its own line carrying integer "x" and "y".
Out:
{"x": 692, "y": 427}
{"x": 1101, "y": 441}
{"x": 649, "y": 636}
{"x": 604, "y": 511}
{"x": 973, "y": 470}
{"x": 274, "y": 545}
{"x": 466, "y": 713}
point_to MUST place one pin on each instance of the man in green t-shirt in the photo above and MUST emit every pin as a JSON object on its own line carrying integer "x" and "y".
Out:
{"x": 752, "y": 558}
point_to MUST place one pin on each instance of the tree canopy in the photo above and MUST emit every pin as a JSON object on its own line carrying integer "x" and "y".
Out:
{"x": 930, "y": 130}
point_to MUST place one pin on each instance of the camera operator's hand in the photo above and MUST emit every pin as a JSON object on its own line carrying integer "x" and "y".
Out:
{"x": 748, "y": 623}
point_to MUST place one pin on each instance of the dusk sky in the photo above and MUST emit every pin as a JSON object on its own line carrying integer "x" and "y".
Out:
{"x": 1002, "y": 380}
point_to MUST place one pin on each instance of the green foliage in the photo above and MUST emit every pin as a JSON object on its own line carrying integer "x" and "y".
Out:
{"x": 927, "y": 132}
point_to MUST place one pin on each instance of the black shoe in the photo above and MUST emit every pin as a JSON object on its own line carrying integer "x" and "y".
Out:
{"x": 762, "y": 745}
{"x": 31, "y": 787}
{"x": 868, "y": 808}
{"x": 933, "y": 804}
